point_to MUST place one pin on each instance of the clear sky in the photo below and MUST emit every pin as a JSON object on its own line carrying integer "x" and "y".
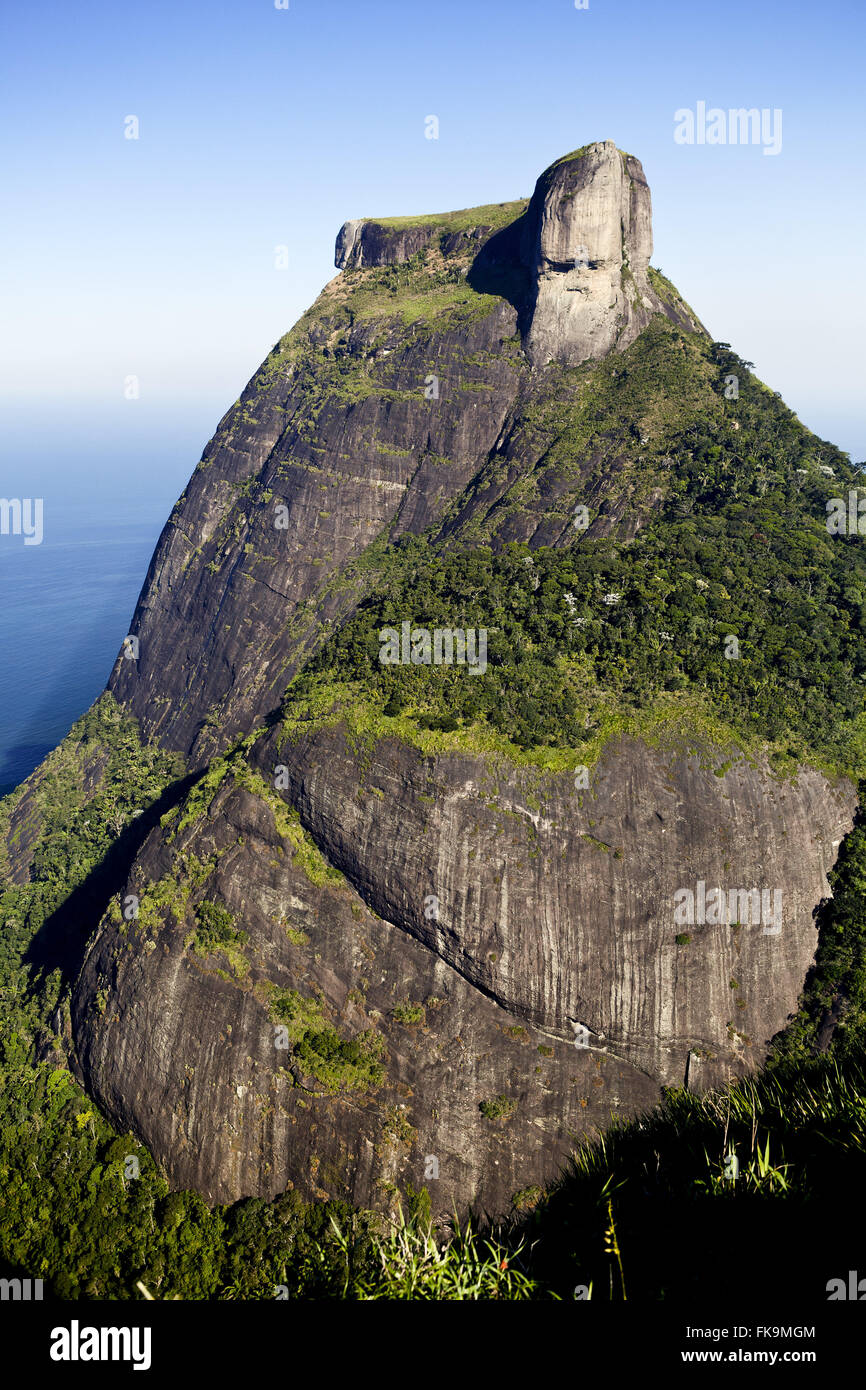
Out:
{"x": 262, "y": 127}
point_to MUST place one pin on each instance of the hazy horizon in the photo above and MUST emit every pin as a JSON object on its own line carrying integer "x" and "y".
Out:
{"x": 156, "y": 257}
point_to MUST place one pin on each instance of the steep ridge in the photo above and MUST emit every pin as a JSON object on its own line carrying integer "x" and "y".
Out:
{"x": 544, "y": 919}
{"x": 379, "y": 408}
{"x": 417, "y": 924}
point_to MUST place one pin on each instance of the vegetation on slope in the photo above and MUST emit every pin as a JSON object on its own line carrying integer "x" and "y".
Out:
{"x": 493, "y": 215}
{"x": 832, "y": 1011}
{"x": 735, "y": 545}
{"x": 85, "y": 1208}
{"x": 584, "y": 635}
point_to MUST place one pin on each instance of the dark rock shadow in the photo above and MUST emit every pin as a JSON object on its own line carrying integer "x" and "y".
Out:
{"x": 60, "y": 942}
{"x": 499, "y": 269}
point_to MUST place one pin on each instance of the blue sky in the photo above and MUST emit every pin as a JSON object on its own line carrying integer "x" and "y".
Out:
{"x": 262, "y": 127}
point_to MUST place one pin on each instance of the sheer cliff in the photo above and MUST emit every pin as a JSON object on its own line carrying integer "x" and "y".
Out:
{"x": 407, "y": 922}
{"x": 406, "y": 384}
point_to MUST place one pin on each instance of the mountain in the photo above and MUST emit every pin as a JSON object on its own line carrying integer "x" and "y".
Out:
{"x": 304, "y": 918}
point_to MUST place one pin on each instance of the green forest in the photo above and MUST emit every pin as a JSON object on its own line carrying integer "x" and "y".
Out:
{"x": 602, "y": 629}
{"x": 738, "y": 547}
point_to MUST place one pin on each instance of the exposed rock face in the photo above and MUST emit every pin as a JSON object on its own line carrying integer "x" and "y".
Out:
{"x": 231, "y": 597}
{"x": 231, "y": 602}
{"x": 362, "y": 243}
{"x": 561, "y": 905}
{"x": 588, "y": 243}
{"x": 466, "y": 916}
{"x": 553, "y": 910}
{"x": 185, "y": 1053}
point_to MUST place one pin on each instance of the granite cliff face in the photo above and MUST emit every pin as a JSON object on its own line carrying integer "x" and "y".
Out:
{"x": 588, "y": 244}
{"x": 361, "y": 959}
{"x": 340, "y": 427}
{"x": 545, "y": 920}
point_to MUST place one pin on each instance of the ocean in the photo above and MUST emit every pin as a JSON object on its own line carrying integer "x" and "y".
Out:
{"x": 65, "y": 607}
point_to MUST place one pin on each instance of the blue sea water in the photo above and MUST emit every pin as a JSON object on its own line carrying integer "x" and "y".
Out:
{"x": 108, "y": 474}
{"x": 65, "y": 607}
